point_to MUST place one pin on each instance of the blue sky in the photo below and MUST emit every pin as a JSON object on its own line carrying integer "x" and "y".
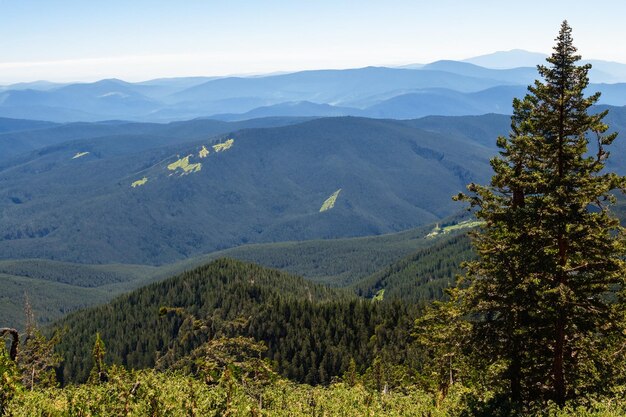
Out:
{"x": 63, "y": 40}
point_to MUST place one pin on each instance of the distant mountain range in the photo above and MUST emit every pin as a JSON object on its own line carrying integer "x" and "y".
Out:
{"x": 471, "y": 87}
{"x": 513, "y": 58}
{"x": 601, "y": 72}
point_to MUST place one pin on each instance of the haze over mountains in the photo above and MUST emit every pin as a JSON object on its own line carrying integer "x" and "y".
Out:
{"x": 475, "y": 86}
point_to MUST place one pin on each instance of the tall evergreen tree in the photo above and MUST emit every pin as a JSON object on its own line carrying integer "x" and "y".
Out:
{"x": 37, "y": 358}
{"x": 99, "y": 371}
{"x": 543, "y": 290}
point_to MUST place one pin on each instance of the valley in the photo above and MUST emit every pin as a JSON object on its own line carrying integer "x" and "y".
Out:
{"x": 57, "y": 288}
{"x": 287, "y": 193}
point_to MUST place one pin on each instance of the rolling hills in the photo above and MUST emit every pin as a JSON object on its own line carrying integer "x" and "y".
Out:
{"x": 418, "y": 103}
{"x": 19, "y": 138}
{"x": 57, "y": 288}
{"x": 268, "y": 185}
{"x": 345, "y": 87}
{"x": 311, "y": 331}
{"x": 445, "y": 87}
{"x": 75, "y": 201}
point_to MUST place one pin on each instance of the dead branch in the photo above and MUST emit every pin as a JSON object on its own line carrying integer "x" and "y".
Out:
{"x": 14, "y": 344}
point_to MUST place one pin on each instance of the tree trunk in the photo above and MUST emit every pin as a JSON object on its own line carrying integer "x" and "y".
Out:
{"x": 559, "y": 343}
{"x": 514, "y": 375}
{"x": 450, "y": 368}
{"x": 559, "y": 348}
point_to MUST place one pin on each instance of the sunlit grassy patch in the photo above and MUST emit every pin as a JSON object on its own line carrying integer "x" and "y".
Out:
{"x": 203, "y": 152}
{"x": 466, "y": 224}
{"x": 184, "y": 165}
{"x": 330, "y": 201}
{"x": 223, "y": 146}
{"x": 140, "y": 182}
{"x": 80, "y": 154}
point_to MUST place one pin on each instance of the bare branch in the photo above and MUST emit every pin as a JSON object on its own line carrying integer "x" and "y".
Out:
{"x": 15, "y": 343}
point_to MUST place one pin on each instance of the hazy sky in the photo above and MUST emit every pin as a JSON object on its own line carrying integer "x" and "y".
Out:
{"x": 64, "y": 40}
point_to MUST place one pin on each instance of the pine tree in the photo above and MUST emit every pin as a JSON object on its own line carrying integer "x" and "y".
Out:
{"x": 441, "y": 334}
{"x": 37, "y": 357}
{"x": 543, "y": 290}
{"x": 351, "y": 376}
{"x": 98, "y": 372}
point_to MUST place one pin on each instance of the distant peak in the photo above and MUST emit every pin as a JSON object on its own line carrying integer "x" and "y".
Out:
{"x": 512, "y": 58}
{"x": 448, "y": 63}
{"x": 517, "y": 50}
{"x": 112, "y": 81}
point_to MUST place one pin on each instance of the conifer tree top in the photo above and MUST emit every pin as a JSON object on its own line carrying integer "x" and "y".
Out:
{"x": 550, "y": 250}
{"x": 564, "y": 50}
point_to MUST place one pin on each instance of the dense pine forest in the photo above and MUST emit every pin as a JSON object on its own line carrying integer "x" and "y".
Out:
{"x": 233, "y": 338}
{"x": 518, "y": 309}
{"x": 311, "y": 331}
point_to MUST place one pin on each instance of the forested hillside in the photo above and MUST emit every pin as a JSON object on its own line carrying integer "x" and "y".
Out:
{"x": 24, "y": 140}
{"x": 88, "y": 202}
{"x": 311, "y": 331}
{"x": 57, "y": 288}
{"x": 422, "y": 276}
{"x": 61, "y": 201}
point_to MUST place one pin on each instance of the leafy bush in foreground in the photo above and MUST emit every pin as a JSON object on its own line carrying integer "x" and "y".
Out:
{"x": 151, "y": 393}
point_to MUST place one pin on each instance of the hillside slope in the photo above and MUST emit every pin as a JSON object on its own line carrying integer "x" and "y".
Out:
{"x": 56, "y": 289}
{"x": 86, "y": 202}
{"x": 22, "y": 137}
{"x": 422, "y": 276}
{"x": 311, "y": 331}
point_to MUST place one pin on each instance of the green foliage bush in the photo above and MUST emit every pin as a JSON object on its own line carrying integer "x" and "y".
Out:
{"x": 151, "y": 393}
{"x": 10, "y": 379}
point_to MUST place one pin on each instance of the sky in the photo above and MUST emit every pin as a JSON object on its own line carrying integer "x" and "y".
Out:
{"x": 86, "y": 40}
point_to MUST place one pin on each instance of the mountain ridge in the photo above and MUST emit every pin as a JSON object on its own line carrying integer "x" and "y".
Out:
{"x": 387, "y": 171}
{"x": 163, "y": 100}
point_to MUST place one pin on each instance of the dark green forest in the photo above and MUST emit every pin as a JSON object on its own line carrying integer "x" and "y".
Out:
{"x": 58, "y": 288}
{"x": 311, "y": 331}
